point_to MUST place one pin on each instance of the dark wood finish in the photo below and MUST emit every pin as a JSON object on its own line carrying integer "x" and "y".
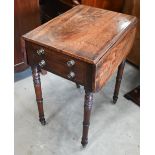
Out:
{"x": 111, "y": 60}
{"x": 87, "y": 111}
{"x": 71, "y": 2}
{"x": 57, "y": 64}
{"x": 118, "y": 81}
{"x": 114, "y": 5}
{"x": 38, "y": 91}
{"x": 52, "y": 8}
{"x": 134, "y": 95}
{"x": 26, "y": 13}
{"x": 81, "y": 46}
{"x": 126, "y": 6}
{"x": 132, "y": 7}
{"x": 76, "y": 28}
{"x": 66, "y": 46}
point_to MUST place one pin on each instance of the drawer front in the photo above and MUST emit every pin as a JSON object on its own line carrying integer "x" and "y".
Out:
{"x": 59, "y": 64}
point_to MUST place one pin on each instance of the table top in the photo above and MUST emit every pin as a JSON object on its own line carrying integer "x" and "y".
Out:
{"x": 84, "y": 32}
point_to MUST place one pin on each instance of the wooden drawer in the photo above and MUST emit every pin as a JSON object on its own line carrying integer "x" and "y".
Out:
{"x": 58, "y": 63}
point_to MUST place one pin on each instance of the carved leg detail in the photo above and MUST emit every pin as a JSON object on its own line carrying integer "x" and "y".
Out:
{"x": 38, "y": 92}
{"x": 118, "y": 81}
{"x": 87, "y": 111}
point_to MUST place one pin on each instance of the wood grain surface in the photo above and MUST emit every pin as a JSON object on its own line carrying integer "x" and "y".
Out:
{"x": 83, "y": 32}
{"x": 110, "y": 62}
{"x": 96, "y": 40}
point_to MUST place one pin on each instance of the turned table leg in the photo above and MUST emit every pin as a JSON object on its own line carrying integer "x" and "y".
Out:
{"x": 38, "y": 92}
{"x": 118, "y": 81}
{"x": 87, "y": 111}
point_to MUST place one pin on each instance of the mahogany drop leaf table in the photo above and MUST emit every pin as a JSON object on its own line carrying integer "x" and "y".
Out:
{"x": 84, "y": 45}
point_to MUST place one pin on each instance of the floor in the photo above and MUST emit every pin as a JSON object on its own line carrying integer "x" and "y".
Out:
{"x": 114, "y": 129}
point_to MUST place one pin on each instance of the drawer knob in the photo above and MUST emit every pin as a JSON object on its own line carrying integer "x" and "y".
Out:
{"x": 71, "y": 75}
{"x": 41, "y": 51}
{"x": 70, "y": 63}
{"x": 42, "y": 63}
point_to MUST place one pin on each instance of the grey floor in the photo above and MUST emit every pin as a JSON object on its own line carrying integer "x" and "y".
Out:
{"x": 114, "y": 129}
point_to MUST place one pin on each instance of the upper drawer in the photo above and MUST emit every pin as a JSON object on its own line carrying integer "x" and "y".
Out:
{"x": 58, "y": 63}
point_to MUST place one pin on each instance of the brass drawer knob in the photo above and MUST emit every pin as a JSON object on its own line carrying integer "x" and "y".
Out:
{"x": 42, "y": 63}
{"x": 71, "y": 75}
{"x": 41, "y": 51}
{"x": 70, "y": 63}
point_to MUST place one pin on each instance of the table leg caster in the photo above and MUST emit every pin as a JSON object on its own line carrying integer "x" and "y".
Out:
{"x": 84, "y": 142}
{"x": 42, "y": 121}
{"x": 115, "y": 98}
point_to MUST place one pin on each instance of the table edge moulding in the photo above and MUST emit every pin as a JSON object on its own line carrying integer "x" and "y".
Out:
{"x": 123, "y": 28}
